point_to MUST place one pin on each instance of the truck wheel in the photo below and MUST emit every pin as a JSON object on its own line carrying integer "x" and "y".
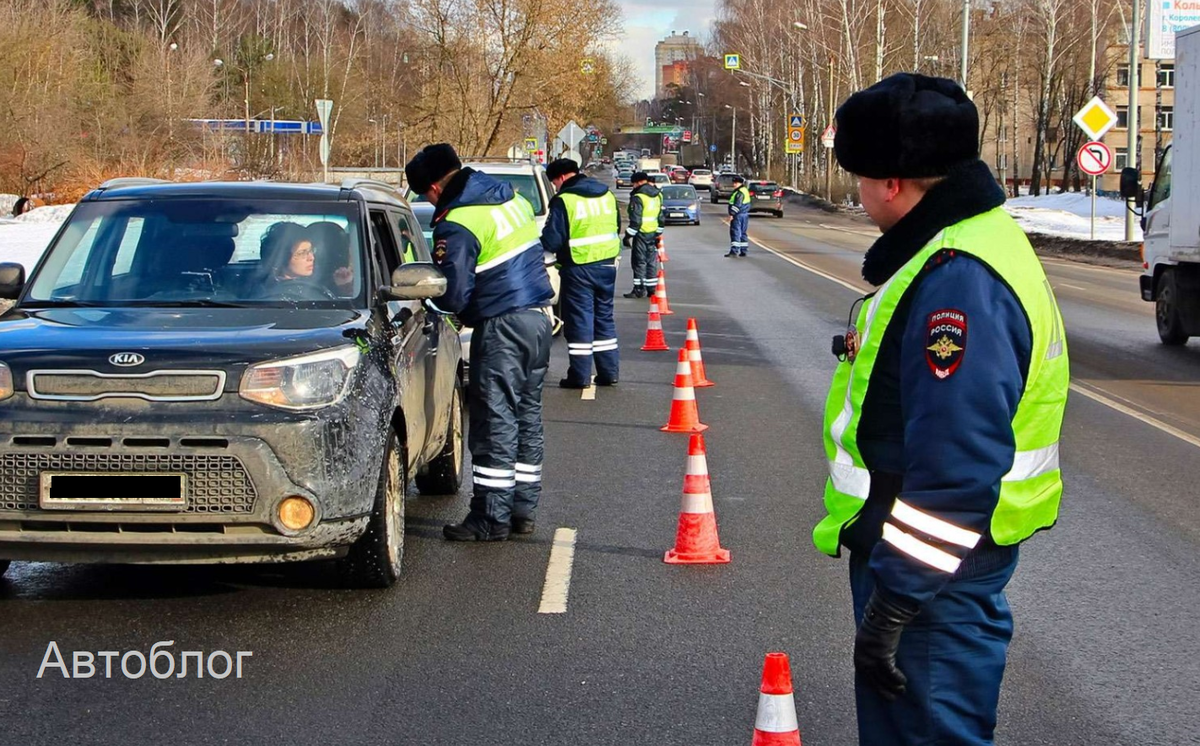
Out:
{"x": 445, "y": 472}
{"x": 1166, "y": 311}
{"x": 374, "y": 560}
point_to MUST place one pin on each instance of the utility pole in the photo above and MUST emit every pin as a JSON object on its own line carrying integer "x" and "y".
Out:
{"x": 829, "y": 151}
{"x": 1132, "y": 122}
{"x": 733, "y": 143}
{"x": 966, "y": 39}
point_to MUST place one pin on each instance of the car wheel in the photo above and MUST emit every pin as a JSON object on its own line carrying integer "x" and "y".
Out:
{"x": 1166, "y": 311}
{"x": 445, "y": 472}
{"x": 3, "y": 567}
{"x": 779, "y": 213}
{"x": 374, "y": 560}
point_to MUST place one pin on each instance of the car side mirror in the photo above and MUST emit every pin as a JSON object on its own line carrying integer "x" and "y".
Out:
{"x": 1131, "y": 187}
{"x": 12, "y": 280}
{"x": 415, "y": 281}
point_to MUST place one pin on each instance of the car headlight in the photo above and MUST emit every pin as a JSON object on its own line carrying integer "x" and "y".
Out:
{"x": 309, "y": 381}
{"x": 6, "y": 384}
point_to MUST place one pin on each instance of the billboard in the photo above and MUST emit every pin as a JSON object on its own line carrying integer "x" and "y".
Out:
{"x": 1163, "y": 19}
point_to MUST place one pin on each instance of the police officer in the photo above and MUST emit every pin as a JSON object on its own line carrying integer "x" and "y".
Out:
{"x": 943, "y": 419}
{"x": 486, "y": 242}
{"x": 739, "y": 218}
{"x": 584, "y": 232}
{"x": 645, "y": 206}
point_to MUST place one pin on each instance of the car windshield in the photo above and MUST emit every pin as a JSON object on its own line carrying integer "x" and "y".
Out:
{"x": 204, "y": 252}
{"x": 624, "y": 174}
{"x": 660, "y": 179}
{"x": 525, "y": 184}
{"x": 678, "y": 192}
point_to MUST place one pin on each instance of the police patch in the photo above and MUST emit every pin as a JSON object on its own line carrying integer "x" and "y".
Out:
{"x": 439, "y": 251}
{"x": 946, "y": 341}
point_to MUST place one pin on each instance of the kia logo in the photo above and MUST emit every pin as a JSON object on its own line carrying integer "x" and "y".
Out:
{"x": 126, "y": 359}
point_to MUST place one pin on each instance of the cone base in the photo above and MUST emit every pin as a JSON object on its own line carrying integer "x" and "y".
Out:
{"x": 667, "y": 312}
{"x": 703, "y": 384}
{"x": 699, "y": 427}
{"x": 655, "y": 348}
{"x": 718, "y": 557}
{"x": 762, "y": 738}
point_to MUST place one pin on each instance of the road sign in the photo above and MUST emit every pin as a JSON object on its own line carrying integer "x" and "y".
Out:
{"x": 571, "y": 134}
{"x": 604, "y": 141}
{"x": 796, "y": 121}
{"x": 531, "y": 144}
{"x": 324, "y": 149}
{"x": 587, "y": 66}
{"x": 795, "y": 139}
{"x": 712, "y": 148}
{"x": 733, "y": 62}
{"x": 1094, "y": 158}
{"x": 1095, "y": 118}
{"x": 324, "y": 106}
{"x": 687, "y": 137}
{"x": 828, "y": 135}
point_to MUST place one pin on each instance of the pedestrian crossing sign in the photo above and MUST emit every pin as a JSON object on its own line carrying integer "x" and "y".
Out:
{"x": 733, "y": 62}
{"x": 796, "y": 121}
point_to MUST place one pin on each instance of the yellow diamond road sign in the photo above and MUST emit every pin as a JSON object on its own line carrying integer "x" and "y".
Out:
{"x": 1095, "y": 118}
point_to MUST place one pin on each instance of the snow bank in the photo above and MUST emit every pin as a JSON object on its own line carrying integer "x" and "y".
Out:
{"x": 1068, "y": 215}
{"x": 24, "y": 239}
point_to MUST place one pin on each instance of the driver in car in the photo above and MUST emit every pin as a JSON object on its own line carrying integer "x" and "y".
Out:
{"x": 287, "y": 259}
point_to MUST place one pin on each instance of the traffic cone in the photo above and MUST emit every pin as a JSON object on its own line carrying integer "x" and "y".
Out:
{"x": 699, "y": 380}
{"x": 696, "y": 541}
{"x": 655, "y": 340}
{"x": 660, "y": 292}
{"x": 662, "y": 250}
{"x": 685, "y": 416}
{"x": 776, "y": 723}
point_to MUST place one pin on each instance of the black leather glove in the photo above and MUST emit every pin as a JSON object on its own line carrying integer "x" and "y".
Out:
{"x": 627, "y": 242}
{"x": 876, "y": 643}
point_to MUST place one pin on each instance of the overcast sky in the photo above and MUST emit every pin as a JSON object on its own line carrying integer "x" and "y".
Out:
{"x": 648, "y": 22}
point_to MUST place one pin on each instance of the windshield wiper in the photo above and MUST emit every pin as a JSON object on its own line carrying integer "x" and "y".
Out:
{"x": 199, "y": 303}
{"x": 64, "y": 304}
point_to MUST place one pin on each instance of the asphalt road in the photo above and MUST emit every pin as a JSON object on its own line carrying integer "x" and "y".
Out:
{"x": 1106, "y": 647}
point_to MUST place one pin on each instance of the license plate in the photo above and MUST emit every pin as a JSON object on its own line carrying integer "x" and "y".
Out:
{"x": 112, "y": 491}
{"x": 765, "y": 196}
{"x": 677, "y": 215}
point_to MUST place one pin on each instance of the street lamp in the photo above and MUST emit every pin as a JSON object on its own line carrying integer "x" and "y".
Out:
{"x": 733, "y": 138}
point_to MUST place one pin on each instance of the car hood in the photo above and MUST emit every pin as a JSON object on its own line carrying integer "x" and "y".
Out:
{"x": 227, "y": 338}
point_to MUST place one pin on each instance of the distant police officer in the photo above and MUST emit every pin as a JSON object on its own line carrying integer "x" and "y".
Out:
{"x": 739, "y": 218}
{"x": 584, "y": 232}
{"x": 645, "y": 208}
{"x": 942, "y": 424}
{"x": 486, "y": 242}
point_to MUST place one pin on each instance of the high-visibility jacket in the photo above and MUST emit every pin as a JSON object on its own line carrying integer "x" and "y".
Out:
{"x": 645, "y": 205}
{"x": 584, "y": 223}
{"x": 1030, "y": 493}
{"x": 739, "y": 201}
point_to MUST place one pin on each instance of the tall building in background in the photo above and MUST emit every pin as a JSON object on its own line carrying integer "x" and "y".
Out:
{"x": 671, "y": 56}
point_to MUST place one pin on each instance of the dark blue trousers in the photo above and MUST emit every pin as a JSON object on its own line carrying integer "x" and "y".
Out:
{"x": 738, "y": 226}
{"x": 953, "y": 654}
{"x": 587, "y": 309}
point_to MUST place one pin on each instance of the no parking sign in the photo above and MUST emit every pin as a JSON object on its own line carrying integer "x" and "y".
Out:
{"x": 1094, "y": 158}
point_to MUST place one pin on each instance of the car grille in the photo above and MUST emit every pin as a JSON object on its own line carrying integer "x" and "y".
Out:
{"x": 86, "y": 385}
{"x": 215, "y": 483}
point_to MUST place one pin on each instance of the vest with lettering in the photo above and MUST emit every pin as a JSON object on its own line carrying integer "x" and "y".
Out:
{"x": 593, "y": 222}
{"x": 651, "y": 207}
{"x": 504, "y": 231}
{"x": 1032, "y": 489}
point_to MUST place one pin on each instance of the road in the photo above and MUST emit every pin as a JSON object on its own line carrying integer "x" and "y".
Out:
{"x": 1105, "y": 651}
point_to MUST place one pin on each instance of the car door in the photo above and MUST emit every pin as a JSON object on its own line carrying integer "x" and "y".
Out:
{"x": 409, "y": 346}
{"x": 440, "y": 370}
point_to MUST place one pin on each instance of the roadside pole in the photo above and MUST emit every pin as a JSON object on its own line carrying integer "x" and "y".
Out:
{"x": 1093, "y": 230}
{"x": 829, "y": 155}
{"x": 1132, "y": 122}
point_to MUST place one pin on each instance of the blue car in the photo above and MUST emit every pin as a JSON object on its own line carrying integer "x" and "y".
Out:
{"x": 681, "y": 204}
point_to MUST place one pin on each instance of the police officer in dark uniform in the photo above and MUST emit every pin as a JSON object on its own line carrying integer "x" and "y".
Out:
{"x": 943, "y": 419}
{"x": 645, "y": 226}
{"x": 739, "y": 218}
{"x": 487, "y": 244}
{"x": 584, "y": 232}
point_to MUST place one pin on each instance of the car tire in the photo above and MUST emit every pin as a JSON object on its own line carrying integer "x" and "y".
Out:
{"x": 779, "y": 213}
{"x": 374, "y": 560}
{"x": 444, "y": 474}
{"x": 1166, "y": 311}
{"x": 3, "y": 567}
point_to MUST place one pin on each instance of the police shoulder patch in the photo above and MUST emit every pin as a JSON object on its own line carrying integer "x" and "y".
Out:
{"x": 439, "y": 251}
{"x": 945, "y": 341}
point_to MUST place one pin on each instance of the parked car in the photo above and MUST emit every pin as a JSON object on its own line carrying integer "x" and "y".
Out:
{"x": 701, "y": 178}
{"x": 681, "y": 204}
{"x": 722, "y": 187}
{"x": 227, "y": 372}
{"x": 766, "y": 196}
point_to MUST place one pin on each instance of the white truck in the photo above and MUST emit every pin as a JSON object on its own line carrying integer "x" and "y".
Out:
{"x": 649, "y": 164}
{"x": 1171, "y": 248}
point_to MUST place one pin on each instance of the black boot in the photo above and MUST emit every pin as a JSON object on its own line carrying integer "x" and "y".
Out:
{"x": 475, "y": 529}
{"x": 522, "y": 525}
{"x": 567, "y": 383}
{"x": 637, "y": 292}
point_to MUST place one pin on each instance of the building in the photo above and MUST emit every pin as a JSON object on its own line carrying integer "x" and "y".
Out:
{"x": 668, "y": 53}
{"x": 675, "y": 73}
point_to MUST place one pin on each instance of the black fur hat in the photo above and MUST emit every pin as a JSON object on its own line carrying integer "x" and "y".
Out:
{"x": 907, "y": 126}
{"x": 639, "y": 176}
{"x": 562, "y": 167}
{"x": 430, "y": 165}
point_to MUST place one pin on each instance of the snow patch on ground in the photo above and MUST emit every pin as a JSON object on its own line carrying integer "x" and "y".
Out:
{"x": 24, "y": 239}
{"x": 1068, "y": 215}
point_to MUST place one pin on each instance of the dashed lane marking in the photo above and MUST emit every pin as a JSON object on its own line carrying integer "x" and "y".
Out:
{"x": 1095, "y": 395}
{"x": 558, "y": 573}
{"x": 808, "y": 267}
{"x": 589, "y": 393}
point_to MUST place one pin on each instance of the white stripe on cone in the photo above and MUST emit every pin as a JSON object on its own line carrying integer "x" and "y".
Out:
{"x": 776, "y": 714}
{"x": 697, "y": 503}
{"x": 697, "y": 466}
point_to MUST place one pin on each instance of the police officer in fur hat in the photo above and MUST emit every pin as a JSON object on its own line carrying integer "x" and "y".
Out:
{"x": 943, "y": 453}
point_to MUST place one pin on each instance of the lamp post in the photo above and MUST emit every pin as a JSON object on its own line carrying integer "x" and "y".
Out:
{"x": 966, "y": 38}
{"x": 733, "y": 140}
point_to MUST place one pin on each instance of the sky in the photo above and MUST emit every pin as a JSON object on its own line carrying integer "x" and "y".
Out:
{"x": 648, "y": 22}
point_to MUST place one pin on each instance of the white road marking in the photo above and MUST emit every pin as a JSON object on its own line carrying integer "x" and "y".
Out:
{"x": 1147, "y": 419}
{"x": 589, "y": 393}
{"x": 1131, "y": 272}
{"x": 558, "y": 573}
{"x": 1069, "y": 285}
{"x": 806, "y": 267}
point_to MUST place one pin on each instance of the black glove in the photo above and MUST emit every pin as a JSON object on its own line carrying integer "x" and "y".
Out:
{"x": 876, "y": 643}
{"x": 627, "y": 242}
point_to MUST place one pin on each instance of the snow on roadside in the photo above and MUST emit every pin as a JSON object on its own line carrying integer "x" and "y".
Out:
{"x": 1068, "y": 215}
{"x": 24, "y": 239}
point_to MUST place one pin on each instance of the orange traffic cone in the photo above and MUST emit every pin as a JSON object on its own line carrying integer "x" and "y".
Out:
{"x": 696, "y": 541}
{"x": 699, "y": 380}
{"x": 776, "y": 722}
{"x": 685, "y": 416}
{"x": 660, "y": 292}
{"x": 655, "y": 340}
{"x": 662, "y": 250}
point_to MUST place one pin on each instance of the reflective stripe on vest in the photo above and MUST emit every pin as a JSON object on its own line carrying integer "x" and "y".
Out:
{"x": 651, "y": 207}
{"x": 593, "y": 222}
{"x": 745, "y": 192}
{"x": 1032, "y": 489}
{"x": 504, "y": 231}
